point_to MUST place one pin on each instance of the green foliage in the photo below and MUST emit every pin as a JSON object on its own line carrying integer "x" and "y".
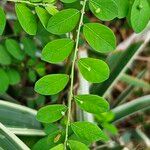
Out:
{"x": 100, "y": 37}
{"x": 57, "y": 50}
{"x": 14, "y": 76}
{"x": 68, "y": 1}
{"x": 123, "y": 7}
{"x": 88, "y": 131}
{"x": 43, "y": 15}
{"x": 5, "y": 58}
{"x": 26, "y": 18}
{"x": 29, "y": 47}
{"x": 2, "y": 21}
{"x": 51, "y": 84}
{"x": 58, "y": 147}
{"x": 74, "y": 145}
{"x": 92, "y": 103}
{"x": 60, "y": 33}
{"x": 63, "y": 22}
{"x": 104, "y": 10}
{"x": 14, "y": 49}
{"x": 4, "y": 80}
{"x": 52, "y": 113}
{"x": 139, "y": 15}
{"x": 117, "y": 62}
{"x": 93, "y": 70}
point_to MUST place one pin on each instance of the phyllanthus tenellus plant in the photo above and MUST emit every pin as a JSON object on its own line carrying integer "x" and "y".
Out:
{"x": 71, "y": 26}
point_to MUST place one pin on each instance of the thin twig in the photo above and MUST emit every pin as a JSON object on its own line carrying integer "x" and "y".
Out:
{"x": 72, "y": 73}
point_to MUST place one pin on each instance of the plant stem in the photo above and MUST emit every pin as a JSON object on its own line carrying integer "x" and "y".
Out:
{"x": 72, "y": 73}
{"x": 30, "y": 3}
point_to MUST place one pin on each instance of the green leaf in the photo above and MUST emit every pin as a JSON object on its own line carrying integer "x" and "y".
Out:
{"x": 4, "y": 81}
{"x": 14, "y": 49}
{"x": 51, "y": 113}
{"x": 57, "y": 50}
{"x": 51, "y": 84}
{"x": 93, "y": 70}
{"x": 26, "y": 18}
{"x": 49, "y": 142}
{"x": 88, "y": 131}
{"x": 100, "y": 37}
{"x": 68, "y": 1}
{"x": 104, "y": 9}
{"x": 92, "y": 103}
{"x": 76, "y": 145}
{"x": 52, "y": 10}
{"x": 42, "y": 144}
{"x": 43, "y": 15}
{"x": 63, "y": 21}
{"x": 105, "y": 117}
{"x": 110, "y": 128}
{"x": 2, "y": 20}
{"x": 118, "y": 65}
{"x": 123, "y": 8}
{"x": 5, "y": 58}
{"x": 32, "y": 75}
{"x": 58, "y": 147}
{"x": 35, "y": 1}
{"x": 139, "y": 15}
{"x": 14, "y": 76}
{"x": 29, "y": 46}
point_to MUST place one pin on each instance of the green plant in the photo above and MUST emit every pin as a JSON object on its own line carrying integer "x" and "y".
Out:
{"x": 64, "y": 24}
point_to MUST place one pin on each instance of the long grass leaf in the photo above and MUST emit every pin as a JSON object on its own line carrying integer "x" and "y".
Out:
{"x": 8, "y": 140}
{"x": 127, "y": 109}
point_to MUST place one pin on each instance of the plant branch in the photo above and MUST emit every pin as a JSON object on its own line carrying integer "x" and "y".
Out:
{"x": 72, "y": 73}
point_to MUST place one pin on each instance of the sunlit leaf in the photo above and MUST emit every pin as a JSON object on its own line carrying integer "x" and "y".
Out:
{"x": 51, "y": 113}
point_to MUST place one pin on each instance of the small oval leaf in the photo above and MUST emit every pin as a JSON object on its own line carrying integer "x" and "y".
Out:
{"x": 5, "y": 58}
{"x": 51, "y": 113}
{"x": 26, "y": 18}
{"x": 123, "y": 8}
{"x": 14, "y": 49}
{"x": 76, "y": 145}
{"x": 88, "y": 131}
{"x": 43, "y": 15}
{"x": 29, "y": 46}
{"x": 68, "y": 1}
{"x": 92, "y": 103}
{"x": 2, "y": 21}
{"x": 63, "y": 21}
{"x": 58, "y": 147}
{"x": 139, "y": 15}
{"x": 105, "y": 10}
{"x": 51, "y": 84}
{"x": 93, "y": 70}
{"x": 13, "y": 75}
{"x": 99, "y": 37}
{"x": 4, "y": 81}
{"x": 57, "y": 50}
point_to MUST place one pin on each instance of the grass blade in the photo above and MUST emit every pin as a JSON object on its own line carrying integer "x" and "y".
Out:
{"x": 135, "y": 81}
{"x": 125, "y": 94}
{"x": 8, "y": 140}
{"x": 130, "y": 108}
{"x": 14, "y": 115}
